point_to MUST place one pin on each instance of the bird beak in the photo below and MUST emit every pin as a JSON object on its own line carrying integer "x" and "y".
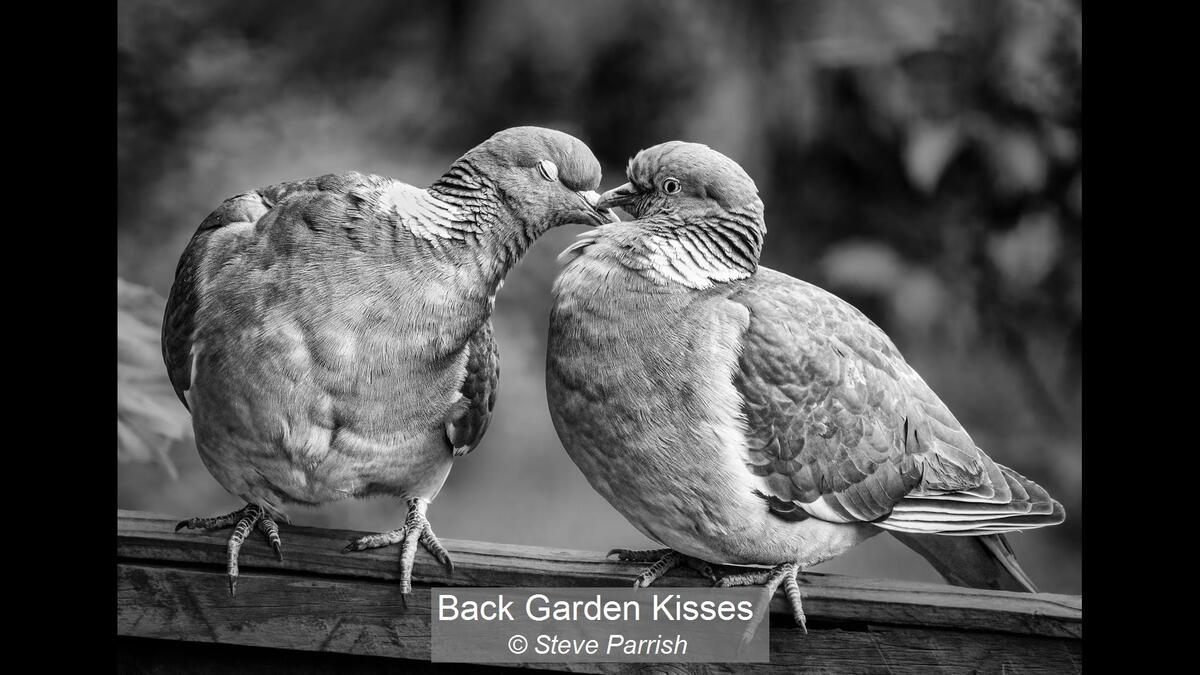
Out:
{"x": 619, "y": 196}
{"x": 601, "y": 214}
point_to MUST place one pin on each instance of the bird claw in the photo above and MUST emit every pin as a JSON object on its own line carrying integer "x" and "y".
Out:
{"x": 243, "y": 521}
{"x": 755, "y": 578}
{"x": 430, "y": 541}
{"x": 703, "y": 568}
{"x": 271, "y": 530}
{"x": 213, "y": 523}
{"x": 792, "y": 589}
{"x": 375, "y": 541}
{"x": 786, "y": 575}
{"x": 635, "y": 555}
{"x": 416, "y": 523}
{"x": 664, "y": 560}
{"x": 647, "y": 577}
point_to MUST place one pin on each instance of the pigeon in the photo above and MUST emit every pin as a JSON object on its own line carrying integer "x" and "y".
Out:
{"x": 332, "y": 337}
{"x": 740, "y": 416}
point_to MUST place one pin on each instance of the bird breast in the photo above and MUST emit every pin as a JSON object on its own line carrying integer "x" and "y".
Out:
{"x": 313, "y": 387}
{"x": 640, "y": 391}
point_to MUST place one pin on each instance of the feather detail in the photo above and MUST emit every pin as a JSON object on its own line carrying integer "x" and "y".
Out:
{"x": 985, "y": 561}
{"x": 1029, "y": 506}
{"x": 577, "y": 248}
{"x": 468, "y": 418}
{"x": 842, "y": 426}
{"x": 431, "y": 219}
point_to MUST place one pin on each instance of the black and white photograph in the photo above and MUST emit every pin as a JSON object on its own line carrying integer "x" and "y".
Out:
{"x": 620, "y": 336}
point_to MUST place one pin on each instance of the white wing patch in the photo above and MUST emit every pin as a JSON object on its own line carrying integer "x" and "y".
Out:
{"x": 428, "y": 217}
{"x": 187, "y": 393}
{"x": 821, "y": 510}
{"x": 585, "y": 240}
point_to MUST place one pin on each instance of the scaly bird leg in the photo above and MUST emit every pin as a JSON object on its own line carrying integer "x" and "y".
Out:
{"x": 781, "y": 574}
{"x": 242, "y": 521}
{"x": 664, "y": 560}
{"x": 416, "y": 530}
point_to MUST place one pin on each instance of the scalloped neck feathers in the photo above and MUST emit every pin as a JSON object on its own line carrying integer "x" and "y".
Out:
{"x": 691, "y": 257}
{"x": 431, "y": 219}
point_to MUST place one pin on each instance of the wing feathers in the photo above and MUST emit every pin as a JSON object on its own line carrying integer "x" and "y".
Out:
{"x": 1029, "y": 506}
{"x": 179, "y": 320}
{"x": 839, "y": 424}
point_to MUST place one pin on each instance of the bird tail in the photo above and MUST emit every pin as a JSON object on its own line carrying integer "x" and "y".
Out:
{"x": 976, "y": 562}
{"x": 961, "y": 533}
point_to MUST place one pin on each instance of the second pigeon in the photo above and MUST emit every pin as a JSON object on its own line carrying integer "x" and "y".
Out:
{"x": 741, "y": 416}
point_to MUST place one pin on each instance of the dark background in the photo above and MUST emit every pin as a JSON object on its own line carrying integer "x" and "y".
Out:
{"x": 922, "y": 159}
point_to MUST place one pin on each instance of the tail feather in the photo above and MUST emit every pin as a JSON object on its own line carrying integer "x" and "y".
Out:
{"x": 1026, "y": 506}
{"x": 961, "y": 532}
{"x": 999, "y": 547}
{"x": 975, "y": 562}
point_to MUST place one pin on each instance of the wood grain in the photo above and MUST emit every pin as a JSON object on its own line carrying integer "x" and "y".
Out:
{"x": 171, "y": 586}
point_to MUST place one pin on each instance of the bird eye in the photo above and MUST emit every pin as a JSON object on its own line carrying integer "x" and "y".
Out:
{"x": 548, "y": 170}
{"x": 670, "y": 186}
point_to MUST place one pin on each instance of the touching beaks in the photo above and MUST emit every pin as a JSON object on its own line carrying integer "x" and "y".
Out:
{"x": 604, "y": 214}
{"x": 618, "y": 196}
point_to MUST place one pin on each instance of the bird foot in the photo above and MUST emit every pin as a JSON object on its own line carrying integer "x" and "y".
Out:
{"x": 242, "y": 521}
{"x": 416, "y": 530}
{"x": 664, "y": 560}
{"x": 785, "y": 574}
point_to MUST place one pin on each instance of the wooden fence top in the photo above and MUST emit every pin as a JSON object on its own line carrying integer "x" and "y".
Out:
{"x": 172, "y": 587}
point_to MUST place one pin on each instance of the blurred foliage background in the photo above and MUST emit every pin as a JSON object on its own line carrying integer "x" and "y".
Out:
{"x": 920, "y": 158}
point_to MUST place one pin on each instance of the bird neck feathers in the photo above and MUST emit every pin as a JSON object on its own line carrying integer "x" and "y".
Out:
{"x": 669, "y": 251}
{"x": 476, "y": 224}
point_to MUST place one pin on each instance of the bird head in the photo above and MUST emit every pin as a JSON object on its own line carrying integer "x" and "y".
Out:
{"x": 688, "y": 180}
{"x": 544, "y": 178}
{"x": 676, "y": 186}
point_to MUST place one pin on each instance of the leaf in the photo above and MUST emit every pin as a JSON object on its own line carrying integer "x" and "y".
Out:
{"x": 930, "y": 148}
{"x": 1028, "y": 252}
{"x": 865, "y": 266}
{"x": 150, "y": 417}
{"x": 919, "y": 300}
{"x": 1017, "y": 162}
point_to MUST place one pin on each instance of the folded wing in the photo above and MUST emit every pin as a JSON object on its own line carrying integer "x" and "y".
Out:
{"x": 341, "y": 203}
{"x": 841, "y": 428}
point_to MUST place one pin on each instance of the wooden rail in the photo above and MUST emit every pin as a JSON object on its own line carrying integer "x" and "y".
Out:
{"x": 173, "y": 600}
